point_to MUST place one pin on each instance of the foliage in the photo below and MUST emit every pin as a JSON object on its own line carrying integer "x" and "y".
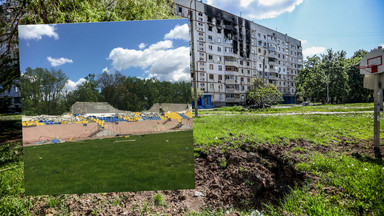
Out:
{"x": 199, "y": 93}
{"x": 88, "y": 91}
{"x": 4, "y": 104}
{"x": 260, "y": 93}
{"x": 134, "y": 94}
{"x": 15, "y": 12}
{"x": 53, "y": 11}
{"x": 357, "y": 92}
{"x": 345, "y": 84}
{"x": 41, "y": 91}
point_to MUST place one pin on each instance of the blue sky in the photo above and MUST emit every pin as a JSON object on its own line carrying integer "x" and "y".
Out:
{"x": 143, "y": 49}
{"x": 347, "y": 25}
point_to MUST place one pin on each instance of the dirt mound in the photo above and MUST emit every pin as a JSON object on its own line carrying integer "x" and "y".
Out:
{"x": 244, "y": 179}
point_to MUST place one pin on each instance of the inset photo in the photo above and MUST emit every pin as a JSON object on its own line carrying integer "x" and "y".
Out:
{"x": 107, "y": 107}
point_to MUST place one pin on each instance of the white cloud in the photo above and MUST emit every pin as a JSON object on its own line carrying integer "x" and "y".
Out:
{"x": 256, "y": 9}
{"x": 105, "y": 70}
{"x": 245, "y": 3}
{"x": 270, "y": 2}
{"x": 161, "y": 45}
{"x": 303, "y": 42}
{"x": 158, "y": 60}
{"x": 59, "y": 61}
{"x": 36, "y": 32}
{"x": 71, "y": 85}
{"x": 179, "y": 32}
{"x": 313, "y": 51}
{"x": 142, "y": 46}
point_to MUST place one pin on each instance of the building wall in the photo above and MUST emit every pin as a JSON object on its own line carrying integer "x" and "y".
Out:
{"x": 239, "y": 46}
{"x": 13, "y": 95}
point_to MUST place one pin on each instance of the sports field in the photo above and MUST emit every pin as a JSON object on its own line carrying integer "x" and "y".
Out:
{"x": 137, "y": 163}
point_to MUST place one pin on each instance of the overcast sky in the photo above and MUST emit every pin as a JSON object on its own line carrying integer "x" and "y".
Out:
{"x": 347, "y": 25}
{"x": 142, "y": 49}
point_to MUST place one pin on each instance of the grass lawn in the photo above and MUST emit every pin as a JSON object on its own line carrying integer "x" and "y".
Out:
{"x": 318, "y": 129}
{"x": 353, "y": 107}
{"x": 138, "y": 163}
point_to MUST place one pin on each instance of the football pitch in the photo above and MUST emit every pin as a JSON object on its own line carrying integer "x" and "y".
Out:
{"x": 136, "y": 163}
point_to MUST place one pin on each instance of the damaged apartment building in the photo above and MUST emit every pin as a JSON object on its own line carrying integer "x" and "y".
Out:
{"x": 230, "y": 51}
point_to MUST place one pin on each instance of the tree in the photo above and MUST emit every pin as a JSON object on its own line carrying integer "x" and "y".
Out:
{"x": 357, "y": 92}
{"x": 324, "y": 74}
{"x": 87, "y": 91}
{"x": 15, "y": 12}
{"x": 260, "y": 94}
{"x": 198, "y": 92}
{"x": 333, "y": 65}
{"x": 41, "y": 90}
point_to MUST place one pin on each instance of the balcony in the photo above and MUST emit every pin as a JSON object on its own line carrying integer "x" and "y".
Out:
{"x": 230, "y": 81}
{"x": 272, "y": 55}
{"x": 274, "y": 63}
{"x": 231, "y": 63}
{"x": 229, "y": 90}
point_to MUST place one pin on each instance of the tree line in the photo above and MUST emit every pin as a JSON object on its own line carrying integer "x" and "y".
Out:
{"x": 22, "y": 12}
{"x": 335, "y": 75}
{"x": 43, "y": 92}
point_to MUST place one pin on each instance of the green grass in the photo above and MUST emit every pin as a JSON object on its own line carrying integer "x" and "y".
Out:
{"x": 354, "y": 107}
{"x": 12, "y": 201}
{"x": 347, "y": 186}
{"x": 152, "y": 162}
{"x": 159, "y": 200}
{"x": 318, "y": 129}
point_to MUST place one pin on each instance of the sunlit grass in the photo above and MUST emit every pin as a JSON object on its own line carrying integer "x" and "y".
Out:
{"x": 318, "y": 129}
{"x": 347, "y": 186}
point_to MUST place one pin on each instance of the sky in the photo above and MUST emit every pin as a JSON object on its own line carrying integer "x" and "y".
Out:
{"x": 143, "y": 49}
{"x": 347, "y": 25}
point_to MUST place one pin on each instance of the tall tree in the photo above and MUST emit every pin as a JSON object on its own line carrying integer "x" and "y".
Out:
{"x": 88, "y": 91}
{"x": 333, "y": 65}
{"x": 357, "y": 92}
{"x": 41, "y": 90}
